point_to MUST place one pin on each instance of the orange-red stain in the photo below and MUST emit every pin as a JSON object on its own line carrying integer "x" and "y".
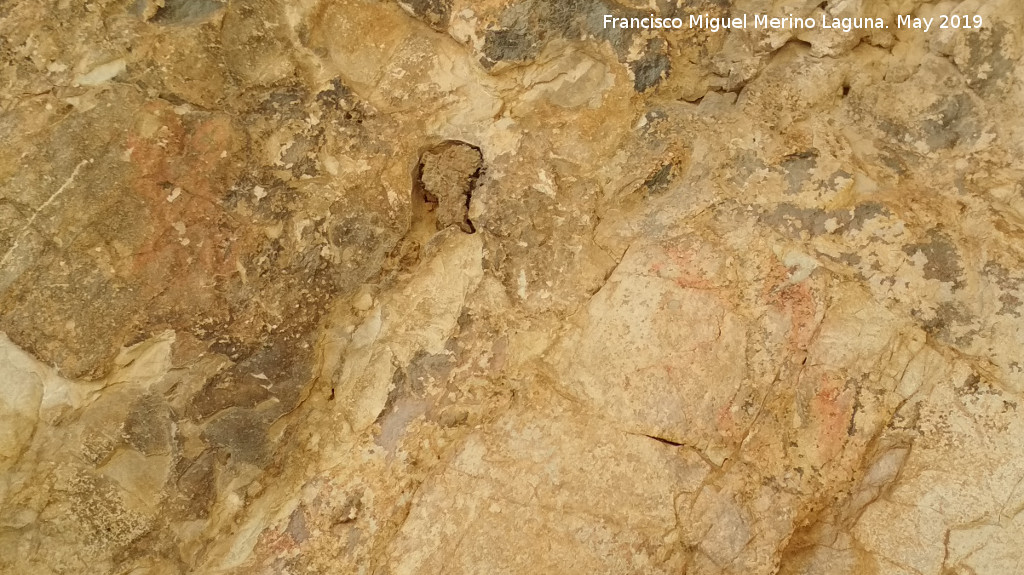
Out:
{"x": 167, "y": 155}
{"x": 830, "y": 411}
{"x": 794, "y": 300}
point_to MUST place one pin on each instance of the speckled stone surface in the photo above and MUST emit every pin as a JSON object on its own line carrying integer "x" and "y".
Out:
{"x": 366, "y": 287}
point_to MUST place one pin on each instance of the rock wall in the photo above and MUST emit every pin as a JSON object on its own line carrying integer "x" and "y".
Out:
{"x": 371, "y": 287}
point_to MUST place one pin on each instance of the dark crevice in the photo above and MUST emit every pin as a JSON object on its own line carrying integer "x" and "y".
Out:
{"x": 665, "y": 441}
{"x": 468, "y": 226}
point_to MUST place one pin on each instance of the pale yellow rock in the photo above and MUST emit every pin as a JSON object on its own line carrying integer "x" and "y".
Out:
{"x": 420, "y": 317}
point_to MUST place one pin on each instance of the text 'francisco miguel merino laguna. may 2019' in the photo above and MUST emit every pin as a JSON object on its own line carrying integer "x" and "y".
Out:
{"x": 765, "y": 22}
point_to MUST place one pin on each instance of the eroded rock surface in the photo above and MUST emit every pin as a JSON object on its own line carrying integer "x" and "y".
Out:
{"x": 369, "y": 287}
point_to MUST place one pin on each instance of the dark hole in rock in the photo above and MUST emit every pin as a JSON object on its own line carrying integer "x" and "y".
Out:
{"x": 443, "y": 185}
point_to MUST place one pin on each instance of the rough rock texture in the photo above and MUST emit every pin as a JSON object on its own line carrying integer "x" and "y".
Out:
{"x": 369, "y": 287}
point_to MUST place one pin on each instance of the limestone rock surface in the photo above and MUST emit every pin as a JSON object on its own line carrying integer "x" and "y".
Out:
{"x": 434, "y": 286}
